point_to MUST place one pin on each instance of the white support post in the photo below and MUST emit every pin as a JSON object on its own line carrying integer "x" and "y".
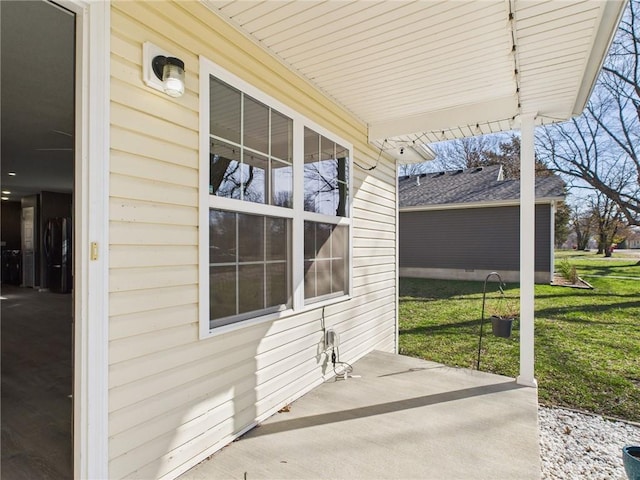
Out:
{"x": 552, "y": 229}
{"x": 527, "y": 250}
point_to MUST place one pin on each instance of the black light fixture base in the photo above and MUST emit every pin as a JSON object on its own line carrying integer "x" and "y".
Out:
{"x": 158, "y": 64}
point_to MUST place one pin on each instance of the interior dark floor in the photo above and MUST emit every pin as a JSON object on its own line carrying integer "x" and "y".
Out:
{"x": 36, "y": 384}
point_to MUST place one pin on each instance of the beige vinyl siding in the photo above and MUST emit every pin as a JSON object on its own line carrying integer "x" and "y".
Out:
{"x": 173, "y": 398}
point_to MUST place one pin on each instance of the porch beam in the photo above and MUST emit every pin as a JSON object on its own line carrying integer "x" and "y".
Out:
{"x": 527, "y": 250}
{"x": 502, "y": 108}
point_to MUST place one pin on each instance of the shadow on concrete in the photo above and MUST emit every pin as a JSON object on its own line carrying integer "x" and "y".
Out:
{"x": 382, "y": 408}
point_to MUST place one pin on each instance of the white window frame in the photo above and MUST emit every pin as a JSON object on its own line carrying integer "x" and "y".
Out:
{"x": 296, "y": 214}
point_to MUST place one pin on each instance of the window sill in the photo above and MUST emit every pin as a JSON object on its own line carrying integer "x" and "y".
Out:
{"x": 270, "y": 317}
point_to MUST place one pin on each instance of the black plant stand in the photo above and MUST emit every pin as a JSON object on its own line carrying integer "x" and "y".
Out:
{"x": 484, "y": 297}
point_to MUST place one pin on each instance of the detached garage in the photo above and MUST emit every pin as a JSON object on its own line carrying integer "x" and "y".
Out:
{"x": 463, "y": 224}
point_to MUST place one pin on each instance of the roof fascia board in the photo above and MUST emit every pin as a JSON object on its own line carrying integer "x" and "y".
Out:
{"x": 611, "y": 14}
{"x": 502, "y": 108}
{"x": 496, "y": 203}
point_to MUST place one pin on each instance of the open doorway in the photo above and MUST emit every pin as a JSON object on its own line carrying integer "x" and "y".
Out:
{"x": 37, "y": 147}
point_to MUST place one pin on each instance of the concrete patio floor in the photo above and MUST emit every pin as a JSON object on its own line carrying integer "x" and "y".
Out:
{"x": 403, "y": 418}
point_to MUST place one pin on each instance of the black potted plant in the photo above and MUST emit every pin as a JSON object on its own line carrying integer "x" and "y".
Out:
{"x": 502, "y": 316}
{"x": 502, "y": 311}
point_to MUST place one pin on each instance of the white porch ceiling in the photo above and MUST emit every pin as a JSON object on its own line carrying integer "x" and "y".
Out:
{"x": 432, "y": 70}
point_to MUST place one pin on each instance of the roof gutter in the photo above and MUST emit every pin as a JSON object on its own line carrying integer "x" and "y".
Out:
{"x": 495, "y": 203}
{"x": 612, "y": 12}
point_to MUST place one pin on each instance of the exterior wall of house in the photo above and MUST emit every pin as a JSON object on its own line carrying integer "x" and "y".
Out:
{"x": 467, "y": 244}
{"x": 173, "y": 398}
{"x": 632, "y": 242}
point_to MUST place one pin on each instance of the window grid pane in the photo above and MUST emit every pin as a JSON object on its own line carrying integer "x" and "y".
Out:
{"x": 257, "y": 140}
{"x": 225, "y": 110}
{"x": 224, "y": 169}
{"x": 325, "y": 259}
{"x": 255, "y": 122}
{"x": 222, "y": 291}
{"x": 325, "y": 175}
{"x": 249, "y": 265}
{"x": 255, "y": 177}
{"x": 281, "y": 184}
{"x": 281, "y": 137}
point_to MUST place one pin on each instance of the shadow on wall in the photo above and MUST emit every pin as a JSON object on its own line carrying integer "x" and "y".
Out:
{"x": 238, "y": 379}
{"x": 206, "y": 393}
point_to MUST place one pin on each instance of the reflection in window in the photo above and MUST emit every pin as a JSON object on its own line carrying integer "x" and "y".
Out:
{"x": 222, "y": 243}
{"x": 254, "y": 177}
{"x": 224, "y": 171}
{"x": 222, "y": 291}
{"x": 325, "y": 175}
{"x": 224, "y": 110}
{"x": 276, "y": 234}
{"x": 251, "y": 288}
{"x": 281, "y": 137}
{"x": 325, "y": 260}
{"x": 276, "y": 284}
{"x": 250, "y": 255}
{"x": 251, "y": 148}
{"x": 281, "y": 184}
{"x": 249, "y": 265}
{"x": 256, "y": 125}
{"x": 250, "y": 239}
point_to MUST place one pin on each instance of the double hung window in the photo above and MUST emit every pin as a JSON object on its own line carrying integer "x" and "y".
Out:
{"x": 275, "y": 206}
{"x": 325, "y": 235}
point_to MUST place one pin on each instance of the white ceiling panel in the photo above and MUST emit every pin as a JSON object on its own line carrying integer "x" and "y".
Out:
{"x": 435, "y": 69}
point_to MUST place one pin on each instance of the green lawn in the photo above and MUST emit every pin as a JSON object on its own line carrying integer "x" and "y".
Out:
{"x": 587, "y": 341}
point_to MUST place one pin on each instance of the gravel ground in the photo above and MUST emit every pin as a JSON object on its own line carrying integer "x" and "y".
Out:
{"x": 581, "y": 446}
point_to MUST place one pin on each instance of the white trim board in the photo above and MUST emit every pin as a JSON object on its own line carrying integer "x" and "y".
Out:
{"x": 90, "y": 362}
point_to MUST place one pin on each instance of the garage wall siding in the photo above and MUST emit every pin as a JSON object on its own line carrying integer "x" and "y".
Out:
{"x": 473, "y": 238}
{"x": 174, "y": 399}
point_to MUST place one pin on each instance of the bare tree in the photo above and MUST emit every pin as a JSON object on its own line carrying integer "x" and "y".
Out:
{"x": 325, "y": 189}
{"x": 561, "y": 223}
{"x": 602, "y": 147}
{"x": 463, "y": 152}
{"x": 508, "y": 155}
{"x": 581, "y": 222}
{"x": 410, "y": 169}
{"x": 608, "y": 221}
{"x": 498, "y": 149}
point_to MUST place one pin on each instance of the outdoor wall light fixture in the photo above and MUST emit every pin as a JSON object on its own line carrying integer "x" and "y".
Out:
{"x": 162, "y": 71}
{"x": 171, "y": 71}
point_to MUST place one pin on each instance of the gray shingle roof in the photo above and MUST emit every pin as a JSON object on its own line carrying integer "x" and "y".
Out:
{"x": 472, "y": 185}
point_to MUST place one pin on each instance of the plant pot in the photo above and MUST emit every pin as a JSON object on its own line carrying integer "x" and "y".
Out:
{"x": 631, "y": 461}
{"x": 501, "y": 327}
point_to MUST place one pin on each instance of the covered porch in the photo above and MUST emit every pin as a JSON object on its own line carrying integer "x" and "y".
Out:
{"x": 422, "y": 72}
{"x": 399, "y": 417}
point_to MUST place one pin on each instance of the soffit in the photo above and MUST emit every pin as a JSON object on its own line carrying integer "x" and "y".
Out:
{"x": 432, "y": 70}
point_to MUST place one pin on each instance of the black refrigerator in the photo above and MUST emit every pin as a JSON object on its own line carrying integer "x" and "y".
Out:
{"x": 57, "y": 250}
